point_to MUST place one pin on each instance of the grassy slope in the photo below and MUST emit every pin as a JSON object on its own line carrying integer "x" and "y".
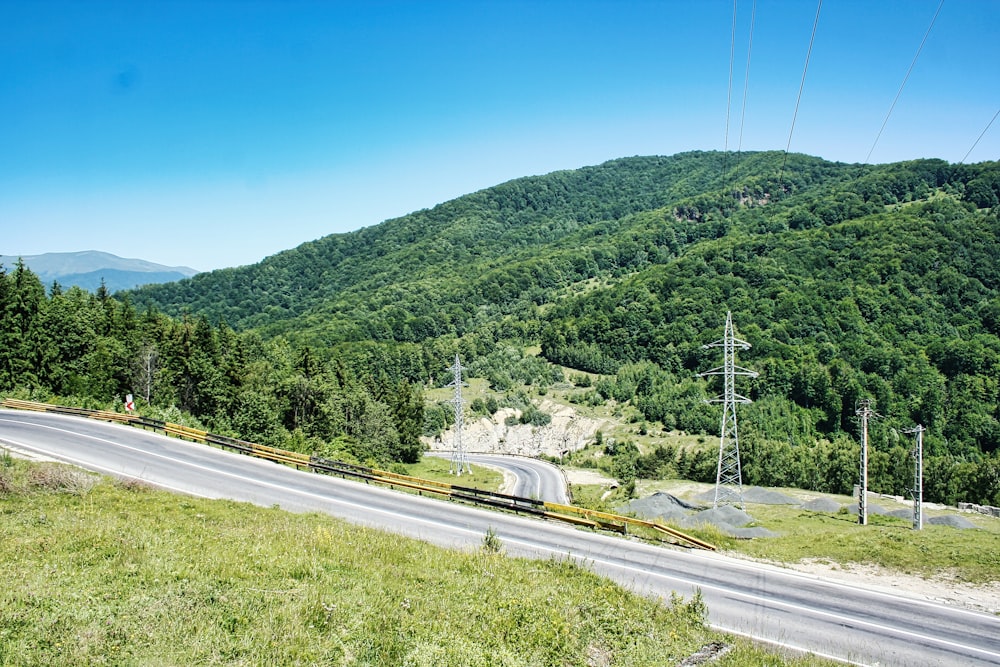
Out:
{"x": 98, "y": 572}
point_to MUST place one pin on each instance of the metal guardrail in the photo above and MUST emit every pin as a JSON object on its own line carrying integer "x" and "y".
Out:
{"x": 579, "y": 516}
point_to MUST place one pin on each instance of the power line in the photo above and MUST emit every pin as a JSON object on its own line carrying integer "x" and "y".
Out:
{"x": 746, "y": 86}
{"x": 729, "y": 95}
{"x": 981, "y": 134}
{"x": 802, "y": 84}
{"x": 900, "y": 91}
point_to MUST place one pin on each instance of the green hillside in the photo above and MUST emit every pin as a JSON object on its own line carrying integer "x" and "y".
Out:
{"x": 851, "y": 281}
{"x": 514, "y": 242}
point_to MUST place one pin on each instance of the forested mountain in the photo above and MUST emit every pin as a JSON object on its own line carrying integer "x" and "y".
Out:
{"x": 850, "y": 281}
{"x": 427, "y": 273}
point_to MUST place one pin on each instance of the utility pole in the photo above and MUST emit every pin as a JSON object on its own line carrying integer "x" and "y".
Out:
{"x": 729, "y": 476}
{"x": 864, "y": 411}
{"x": 918, "y": 476}
{"x": 459, "y": 462}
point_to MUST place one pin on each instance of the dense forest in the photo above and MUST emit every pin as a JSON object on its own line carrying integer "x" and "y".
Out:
{"x": 850, "y": 282}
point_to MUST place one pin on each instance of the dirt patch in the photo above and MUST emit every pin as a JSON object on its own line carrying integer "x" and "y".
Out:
{"x": 587, "y": 476}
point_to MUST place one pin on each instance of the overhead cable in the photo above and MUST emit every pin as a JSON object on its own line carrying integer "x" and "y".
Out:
{"x": 900, "y": 91}
{"x": 802, "y": 84}
{"x": 746, "y": 86}
{"x": 980, "y": 136}
{"x": 729, "y": 94}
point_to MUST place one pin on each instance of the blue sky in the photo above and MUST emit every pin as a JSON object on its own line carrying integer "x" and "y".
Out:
{"x": 213, "y": 134}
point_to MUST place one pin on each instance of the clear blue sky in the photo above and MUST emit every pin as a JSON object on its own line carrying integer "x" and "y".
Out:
{"x": 213, "y": 134}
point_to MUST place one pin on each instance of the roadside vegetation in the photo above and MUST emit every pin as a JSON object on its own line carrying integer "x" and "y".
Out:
{"x": 105, "y": 572}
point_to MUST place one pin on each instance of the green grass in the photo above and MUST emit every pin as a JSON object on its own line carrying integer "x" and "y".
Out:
{"x": 104, "y": 573}
{"x": 438, "y": 469}
{"x": 971, "y": 556}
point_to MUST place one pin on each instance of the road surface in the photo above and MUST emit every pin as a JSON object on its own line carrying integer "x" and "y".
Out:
{"x": 533, "y": 478}
{"x": 862, "y": 626}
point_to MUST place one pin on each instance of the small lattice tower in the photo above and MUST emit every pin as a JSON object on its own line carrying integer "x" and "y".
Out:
{"x": 918, "y": 476}
{"x": 729, "y": 477}
{"x": 459, "y": 462}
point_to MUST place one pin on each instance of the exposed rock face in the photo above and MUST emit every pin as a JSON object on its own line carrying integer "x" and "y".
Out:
{"x": 568, "y": 431}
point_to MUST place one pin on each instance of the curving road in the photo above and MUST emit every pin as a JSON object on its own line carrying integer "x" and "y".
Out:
{"x": 861, "y": 626}
{"x": 533, "y": 478}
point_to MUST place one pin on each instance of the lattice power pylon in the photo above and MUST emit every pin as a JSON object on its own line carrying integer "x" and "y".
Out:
{"x": 918, "y": 476}
{"x": 459, "y": 462}
{"x": 729, "y": 479}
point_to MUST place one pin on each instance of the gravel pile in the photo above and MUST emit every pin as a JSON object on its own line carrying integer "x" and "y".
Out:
{"x": 723, "y": 514}
{"x": 872, "y": 509}
{"x": 730, "y": 520}
{"x": 755, "y": 494}
{"x": 951, "y": 520}
{"x": 822, "y": 505}
{"x": 660, "y": 506}
{"x": 665, "y": 507}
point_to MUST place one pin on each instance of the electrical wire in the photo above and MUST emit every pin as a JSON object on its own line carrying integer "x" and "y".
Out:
{"x": 746, "y": 86}
{"x": 802, "y": 84}
{"x": 981, "y": 134}
{"x": 900, "y": 91}
{"x": 729, "y": 94}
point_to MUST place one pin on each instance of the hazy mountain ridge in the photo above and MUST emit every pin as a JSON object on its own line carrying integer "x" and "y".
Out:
{"x": 86, "y": 269}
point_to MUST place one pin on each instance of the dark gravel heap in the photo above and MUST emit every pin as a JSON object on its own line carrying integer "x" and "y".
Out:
{"x": 666, "y": 507}
{"x": 822, "y": 505}
{"x": 952, "y": 520}
{"x": 755, "y": 494}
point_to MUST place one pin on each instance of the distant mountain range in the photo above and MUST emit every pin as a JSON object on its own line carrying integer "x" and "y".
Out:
{"x": 86, "y": 269}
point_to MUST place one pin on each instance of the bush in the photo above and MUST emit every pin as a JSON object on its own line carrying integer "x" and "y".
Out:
{"x": 491, "y": 543}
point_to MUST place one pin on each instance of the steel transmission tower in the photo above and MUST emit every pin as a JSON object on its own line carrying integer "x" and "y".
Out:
{"x": 459, "y": 462}
{"x": 918, "y": 476}
{"x": 729, "y": 479}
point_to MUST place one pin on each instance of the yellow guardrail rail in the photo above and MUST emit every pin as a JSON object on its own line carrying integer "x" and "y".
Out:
{"x": 618, "y": 523}
{"x": 579, "y": 516}
{"x": 396, "y": 478}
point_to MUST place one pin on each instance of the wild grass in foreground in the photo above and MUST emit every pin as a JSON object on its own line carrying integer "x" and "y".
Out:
{"x": 110, "y": 573}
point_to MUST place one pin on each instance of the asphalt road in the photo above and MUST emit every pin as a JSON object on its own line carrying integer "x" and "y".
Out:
{"x": 863, "y": 626}
{"x": 532, "y": 478}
